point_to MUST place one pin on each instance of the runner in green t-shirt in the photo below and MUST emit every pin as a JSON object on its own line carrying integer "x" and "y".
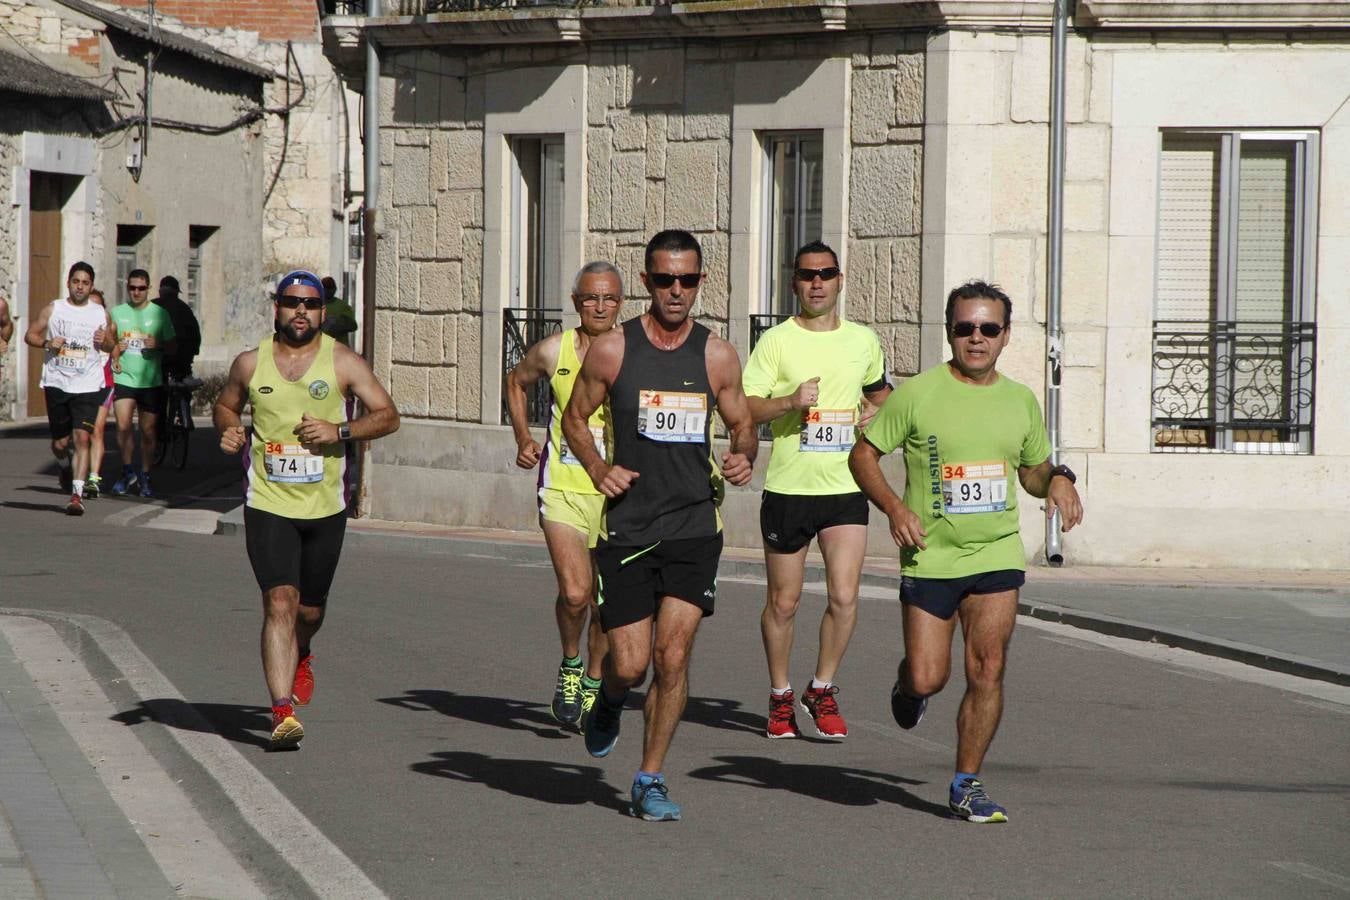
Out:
{"x": 808, "y": 376}
{"x": 964, "y": 429}
{"x": 144, "y": 334}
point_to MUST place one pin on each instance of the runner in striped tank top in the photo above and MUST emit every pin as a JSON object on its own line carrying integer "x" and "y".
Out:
{"x": 299, "y": 384}
{"x": 570, "y": 507}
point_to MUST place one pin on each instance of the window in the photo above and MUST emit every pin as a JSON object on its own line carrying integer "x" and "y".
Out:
{"x": 133, "y": 252}
{"x": 793, "y": 196}
{"x": 1233, "y": 335}
{"x": 538, "y": 284}
{"x": 199, "y": 237}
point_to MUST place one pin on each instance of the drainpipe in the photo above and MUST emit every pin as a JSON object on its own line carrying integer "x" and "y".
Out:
{"x": 1054, "y": 336}
{"x": 369, "y": 201}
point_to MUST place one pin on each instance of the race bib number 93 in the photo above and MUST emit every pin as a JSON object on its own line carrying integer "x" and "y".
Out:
{"x": 974, "y": 487}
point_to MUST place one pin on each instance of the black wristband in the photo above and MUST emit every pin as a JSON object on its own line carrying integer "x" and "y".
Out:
{"x": 345, "y": 431}
{"x": 1065, "y": 471}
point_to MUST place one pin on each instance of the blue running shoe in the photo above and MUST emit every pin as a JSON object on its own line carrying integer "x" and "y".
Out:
{"x": 906, "y": 710}
{"x": 651, "y": 801}
{"x": 970, "y": 802}
{"x": 145, "y": 485}
{"x": 126, "y": 482}
{"x": 601, "y": 726}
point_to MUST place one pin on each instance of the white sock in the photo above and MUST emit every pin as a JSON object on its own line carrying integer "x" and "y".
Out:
{"x": 77, "y": 487}
{"x": 820, "y": 685}
{"x": 778, "y": 692}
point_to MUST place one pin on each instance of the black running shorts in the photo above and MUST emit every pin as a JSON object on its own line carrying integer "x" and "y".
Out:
{"x": 788, "y": 522}
{"x": 634, "y": 579}
{"x": 942, "y": 596}
{"x": 302, "y": 553}
{"x": 66, "y": 412}
{"x": 150, "y": 399}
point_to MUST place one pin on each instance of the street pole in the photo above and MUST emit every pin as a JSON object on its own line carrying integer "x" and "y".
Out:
{"x": 369, "y": 230}
{"x": 1054, "y": 335}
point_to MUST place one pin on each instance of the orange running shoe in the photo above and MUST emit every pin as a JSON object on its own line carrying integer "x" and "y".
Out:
{"x": 303, "y": 688}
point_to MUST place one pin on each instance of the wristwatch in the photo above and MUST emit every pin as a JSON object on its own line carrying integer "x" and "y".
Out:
{"x": 345, "y": 431}
{"x": 1064, "y": 470}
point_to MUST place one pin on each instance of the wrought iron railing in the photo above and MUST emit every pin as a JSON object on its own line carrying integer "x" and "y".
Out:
{"x": 522, "y": 328}
{"x": 762, "y": 322}
{"x": 1237, "y": 387}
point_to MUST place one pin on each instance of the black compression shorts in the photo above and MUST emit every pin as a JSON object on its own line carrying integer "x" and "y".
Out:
{"x": 302, "y": 553}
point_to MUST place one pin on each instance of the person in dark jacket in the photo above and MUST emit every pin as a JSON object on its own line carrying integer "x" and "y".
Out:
{"x": 178, "y": 365}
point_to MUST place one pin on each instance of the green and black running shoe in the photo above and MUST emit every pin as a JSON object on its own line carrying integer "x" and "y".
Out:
{"x": 567, "y": 702}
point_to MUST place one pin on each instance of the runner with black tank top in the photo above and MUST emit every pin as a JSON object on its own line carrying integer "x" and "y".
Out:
{"x": 660, "y": 377}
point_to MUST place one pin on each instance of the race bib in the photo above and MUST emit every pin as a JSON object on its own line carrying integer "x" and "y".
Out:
{"x": 69, "y": 357}
{"x": 291, "y": 463}
{"x": 827, "y": 430}
{"x": 597, "y": 435}
{"x": 673, "y": 417}
{"x": 135, "y": 341}
{"x": 974, "y": 487}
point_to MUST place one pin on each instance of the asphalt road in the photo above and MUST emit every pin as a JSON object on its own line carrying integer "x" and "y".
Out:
{"x": 431, "y": 761}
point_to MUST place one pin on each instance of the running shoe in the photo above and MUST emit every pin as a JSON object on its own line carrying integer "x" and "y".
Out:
{"x": 566, "y": 707}
{"x": 588, "y": 695}
{"x": 145, "y": 485}
{"x": 93, "y": 487}
{"x": 970, "y": 802}
{"x": 782, "y": 718}
{"x": 75, "y": 507}
{"x": 124, "y": 484}
{"x": 906, "y": 710}
{"x": 66, "y": 478}
{"x": 602, "y": 728}
{"x": 651, "y": 801}
{"x": 824, "y": 710}
{"x": 286, "y": 728}
{"x": 302, "y": 689}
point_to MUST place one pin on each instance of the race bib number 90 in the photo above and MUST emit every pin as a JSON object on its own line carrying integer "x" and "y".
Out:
{"x": 597, "y": 435}
{"x": 673, "y": 417}
{"x": 827, "y": 430}
{"x": 974, "y": 487}
{"x": 291, "y": 463}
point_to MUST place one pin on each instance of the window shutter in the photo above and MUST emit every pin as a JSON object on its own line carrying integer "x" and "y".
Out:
{"x": 1265, "y": 240}
{"x": 1188, "y": 227}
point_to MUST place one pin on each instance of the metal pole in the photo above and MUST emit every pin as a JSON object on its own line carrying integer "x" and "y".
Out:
{"x": 1054, "y": 337}
{"x": 369, "y": 229}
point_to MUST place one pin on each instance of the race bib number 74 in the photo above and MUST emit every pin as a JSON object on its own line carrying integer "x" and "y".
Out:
{"x": 975, "y": 487}
{"x": 673, "y": 417}
{"x": 291, "y": 463}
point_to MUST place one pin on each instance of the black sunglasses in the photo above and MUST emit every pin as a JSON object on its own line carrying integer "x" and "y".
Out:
{"x": 138, "y": 287}
{"x": 829, "y": 273}
{"x": 666, "y": 279}
{"x": 988, "y": 329}
{"x": 286, "y": 301}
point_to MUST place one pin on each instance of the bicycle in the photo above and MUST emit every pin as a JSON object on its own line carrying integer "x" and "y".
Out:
{"x": 175, "y": 423}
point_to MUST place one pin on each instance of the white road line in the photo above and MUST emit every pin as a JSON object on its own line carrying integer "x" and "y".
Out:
{"x": 329, "y": 871}
{"x": 1331, "y": 879}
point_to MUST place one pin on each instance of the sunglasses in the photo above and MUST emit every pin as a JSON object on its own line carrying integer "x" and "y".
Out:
{"x": 988, "y": 329}
{"x": 666, "y": 279}
{"x": 286, "y": 301}
{"x": 829, "y": 273}
{"x": 137, "y": 288}
{"x": 590, "y": 300}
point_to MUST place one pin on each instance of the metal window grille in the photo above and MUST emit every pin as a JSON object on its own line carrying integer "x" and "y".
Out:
{"x": 522, "y": 328}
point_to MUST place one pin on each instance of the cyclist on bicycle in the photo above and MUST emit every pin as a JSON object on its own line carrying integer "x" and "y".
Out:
{"x": 144, "y": 333}
{"x": 178, "y": 362}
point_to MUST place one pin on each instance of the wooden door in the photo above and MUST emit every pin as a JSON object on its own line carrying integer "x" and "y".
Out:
{"x": 44, "y": 268}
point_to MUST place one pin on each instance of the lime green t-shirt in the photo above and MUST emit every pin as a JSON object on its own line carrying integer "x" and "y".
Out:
{"x": 141, "y": 368}
{"x": 963, "y": 444}
{"x": 810, "y": 447}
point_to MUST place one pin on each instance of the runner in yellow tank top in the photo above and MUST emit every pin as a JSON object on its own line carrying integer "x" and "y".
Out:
{"x": 298, "y": 384}
{"x": 570, "y": 507}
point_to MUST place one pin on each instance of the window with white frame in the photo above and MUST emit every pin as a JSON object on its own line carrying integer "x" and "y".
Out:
{"x": 1233, "y": 333}
{"x": 133, "y": 252}
{"x": 793, "y": 203}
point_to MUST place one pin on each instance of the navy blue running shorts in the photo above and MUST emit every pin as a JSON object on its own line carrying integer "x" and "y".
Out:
{"x": 942, "y": 596}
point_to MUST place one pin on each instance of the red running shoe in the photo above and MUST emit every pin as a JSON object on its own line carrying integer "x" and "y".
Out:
{"x": 303, "y": 687}
{"x": 824, "y": 709}
{"x": 76, "y": 506}
{"x": 782, "y": 719}
{"x": 286, "y": 728}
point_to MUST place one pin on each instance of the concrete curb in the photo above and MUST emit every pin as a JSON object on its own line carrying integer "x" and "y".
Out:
{"x": 232, "y": 522}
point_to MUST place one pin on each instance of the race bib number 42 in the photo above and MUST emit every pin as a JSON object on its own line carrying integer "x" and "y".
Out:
{"x": 291, "y": 463}
{"x": 827, "y": 430}
{"x": 673, "y": 417}
{"x": 136, "y": 341}
{"x": 975, "y": 487}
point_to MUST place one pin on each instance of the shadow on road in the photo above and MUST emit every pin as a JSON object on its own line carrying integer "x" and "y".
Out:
{"x": 500, "y": 712}
{"x": 234, "y": 722}
{"x": 541, "y": 780}
{"x": 715, "y": 712}
{"x": 850, "y": 787}
{"x": 37, "y": 507}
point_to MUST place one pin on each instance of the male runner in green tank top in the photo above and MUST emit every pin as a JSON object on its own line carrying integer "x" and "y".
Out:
{"x": 659, "y": 377}
{"x": 964, "y": 430}
{"x": 808, "y": 376}
{"x": 570, "y": 507}
{"x": 299, "y": 384}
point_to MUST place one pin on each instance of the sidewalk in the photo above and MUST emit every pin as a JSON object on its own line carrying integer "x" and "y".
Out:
{"x": 1296, "y": 622}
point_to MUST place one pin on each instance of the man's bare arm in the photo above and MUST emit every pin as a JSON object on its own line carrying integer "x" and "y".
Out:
{"x": 226, "y": 414}
{"x": 355, "y": 377}
{"x": 539, "y": 362}
{"x": 36, "y": 335}
{"x": 864, "y": 462}
{"x": 724, "y": 376}
{"x": 1058, "y": 492}
{"x": 6, "y": 324}
{"x": 592, "y": 386}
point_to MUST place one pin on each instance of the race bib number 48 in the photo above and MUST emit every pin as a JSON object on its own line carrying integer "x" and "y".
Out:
{"x": 827, "y": 430}
{"x": 974, "y": 487}
{"x": 673, "y": 417}
{"x": 291, "y": 463}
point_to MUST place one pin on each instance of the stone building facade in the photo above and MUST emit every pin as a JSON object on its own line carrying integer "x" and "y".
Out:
{"x": 934, "y": 120}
